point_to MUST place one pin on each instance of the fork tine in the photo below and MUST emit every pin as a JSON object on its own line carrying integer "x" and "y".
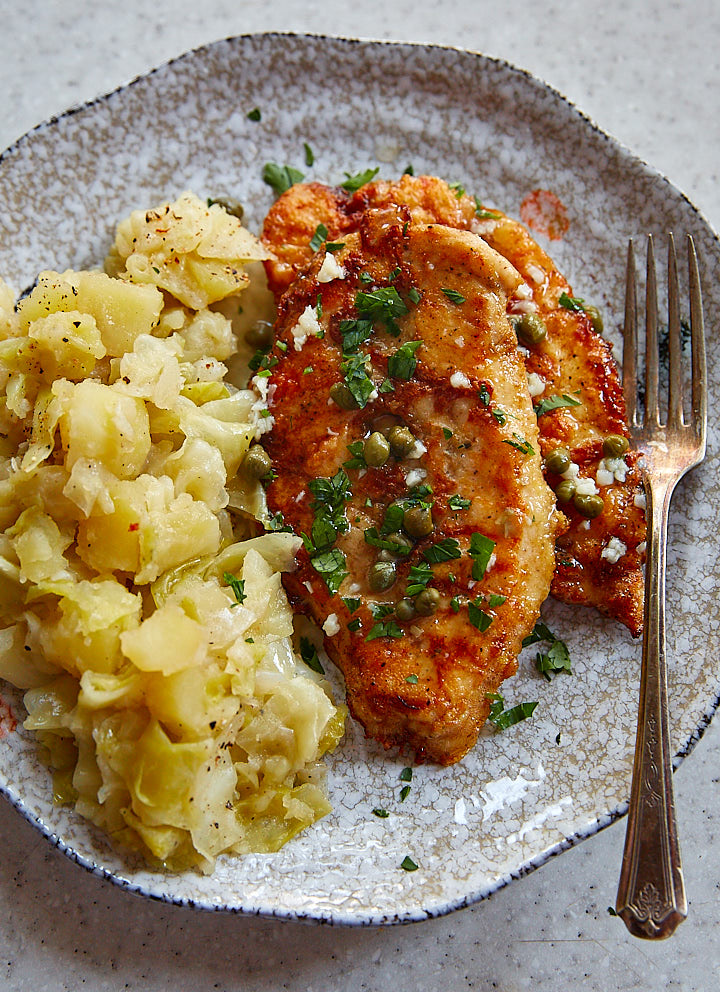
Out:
{"x": 675, "y": 390}
{"x": 697, "y": 340}
{"x": 630, "y": 340}
{"x": 652, "y": 413}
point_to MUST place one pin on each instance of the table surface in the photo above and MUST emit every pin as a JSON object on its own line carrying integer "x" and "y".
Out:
{"x": 647, "y": 73}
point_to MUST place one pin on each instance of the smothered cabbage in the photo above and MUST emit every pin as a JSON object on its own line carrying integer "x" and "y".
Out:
{"x": 140, "y": 612}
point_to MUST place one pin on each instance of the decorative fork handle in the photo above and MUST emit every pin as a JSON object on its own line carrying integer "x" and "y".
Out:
{"x": 651, "y": 894}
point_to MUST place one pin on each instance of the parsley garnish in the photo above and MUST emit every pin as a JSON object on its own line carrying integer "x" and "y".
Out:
{"x": 482, "y": 213}
{"x": 409, "y": 170}
{"x": 320, "y": 235}
{"x": 412, "y": 679}
{"x": 407, "y": 864}
{"x": 479, "y": 618}
{"x": 414, "y": 295}
{"x": 375, "y": 541}
{"x": 520, "y": 443}
{"x": 455, "y": 604}
{"x": 354, "y": 625}
{"x": 309, "y": 155}
{"x": 406, "y": 775}
{"x": 447, "y": 433}
{"x": 418, "y": 579}
{"x": 404, "y": 793}
{"x": 255, "y": 115}
{"x": 454, "y": 296}
{"x": 458, "y": 188}
{"x": 386, "y": 628}
{"x": 444, "y": 550}
{"x": 484, "y": 394}
{"x": 352, "y": 604}
{"x": 237, "y": 586}
{"x": 503, "y": 718}
{"x": 554, "y": 403}
{"x": 382, "y": 813}
{"x": 309, "y": 655}
{"x": 556, "y": 658}
{"x": 499, "y": 415}
{"x": 365, "y": 278}
{"x": 281, "y": 177}
{"x": 495, "y": 599}
{"x": 354, "y": 333}
{"x": 330, "y": 566}
{"x": 356, "y": 449}
{"x": 458, "y": 502}
{"x": 572, "y": 303}
{"x": 354, "y": 182}
{"x": 481, "y": 549}
{"x": 384, "y": 304}
{"x": 328, "y": 506}
{"x": 402, "y": 364}
{"x": 356, "y": 378}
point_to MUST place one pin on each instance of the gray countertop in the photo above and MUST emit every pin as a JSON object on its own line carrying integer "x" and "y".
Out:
{"x": 646, "y": 73}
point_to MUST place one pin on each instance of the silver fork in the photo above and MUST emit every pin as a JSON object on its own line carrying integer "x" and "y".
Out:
{"x": 651, "y": 893}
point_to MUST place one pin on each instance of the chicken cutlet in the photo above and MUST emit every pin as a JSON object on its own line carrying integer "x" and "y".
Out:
{"x": 571, "y": 375}
{"x": 411, "y": 467}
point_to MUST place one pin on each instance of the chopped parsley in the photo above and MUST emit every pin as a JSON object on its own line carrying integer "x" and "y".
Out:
{"x": 355, "y": 182}
{"x": 309, "y": 154}
{"x": 309, "y": 655}
{"x": 409, "y": 170}
{"x": 455, "y": 604}
{"x": 384, "y": 305}
{"x": 354, "y": 625}
{"x": 402, "y": 364}
{"x": 328, "y": 506}
{"x": 447, "y": 433}
{"x": 414, "y": 295}
{"x": 381, "y": 813}
{"x": 418, "y": 579}
{"x": 281, "y": 177}
{"x": 356, "y": 378}
{"x": 458, "y": 189}
{"x": 499, "y": 415}
{"x": 404, "y": 793}
{"x": 481, "y": 549}
{"x": 407, "y": 864}
{"x": 556, "y": 658}
{"x": 444, "y": 550}
{"x": 495, "y": 599}
{"x": 237, "y": 586}
{"x": 406, "y": 775}
{"x": 484, "y": 394}
{"x": 385, "y": 628}
{"x": 386, "y": 544}
{"x": 412, "y": 679}
{"x": 503, "y": 718}
{"x": 554, "y": 403}
{"x": 482, "y": 213}
{"x": 254, "y": 115}
{"x": 320, "y": 236}
{"x": 352, "y": 604}
{"x": 520, "y": 443}
{"x": 454, "y": 296}
{"x": 354, "y": 333}
{"x": 479, "y": 618}
{"x": 356, "y": 449}
{"x": 458, "y": 502}
{"x": 572, "y": 303}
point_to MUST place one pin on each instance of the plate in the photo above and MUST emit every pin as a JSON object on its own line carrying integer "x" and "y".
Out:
{"x": 522, "y": 795}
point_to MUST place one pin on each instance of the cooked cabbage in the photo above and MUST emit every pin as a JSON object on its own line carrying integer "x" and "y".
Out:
{"x": 141, "y": 606}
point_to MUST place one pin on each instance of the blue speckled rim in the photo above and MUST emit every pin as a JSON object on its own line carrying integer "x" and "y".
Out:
{"x": 570, "y": 841}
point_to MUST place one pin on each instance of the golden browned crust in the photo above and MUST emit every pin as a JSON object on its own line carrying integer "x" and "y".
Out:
{"x": 572, "y": 358}
{"x": 426, "y": 690}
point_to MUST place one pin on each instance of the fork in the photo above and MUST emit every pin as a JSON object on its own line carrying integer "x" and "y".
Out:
{"x": 651, "y": 893}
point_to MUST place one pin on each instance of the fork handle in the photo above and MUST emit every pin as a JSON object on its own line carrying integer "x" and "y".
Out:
{"x": 651, "y": 893}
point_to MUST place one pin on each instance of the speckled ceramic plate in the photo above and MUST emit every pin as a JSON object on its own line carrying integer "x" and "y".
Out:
{"x": 531, "y": 791}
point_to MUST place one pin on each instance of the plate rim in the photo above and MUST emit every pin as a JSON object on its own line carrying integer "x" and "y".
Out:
{"x": 600, "y": 822}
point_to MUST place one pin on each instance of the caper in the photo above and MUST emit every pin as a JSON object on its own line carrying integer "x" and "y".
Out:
{"x": 558, "y": 460}
{"x": 382, "y": 576}
{"x": 418, "y": 521}
{"x": 341, "y": 395}
{"x": 402, "y": 441}
{"x": 376, "y": 450}
{"x": 257, "y": 462}
{"x": 427, "y": 602}
{"x": 588, "y": 505}
{"x": 405, "y": 609}
{"x": 595, "y": 318}
{"x": 565, "y": 490}
{"x": 260, "y": 335}
{"x": 530, "y": 328}
{"x": 615, "y": 446}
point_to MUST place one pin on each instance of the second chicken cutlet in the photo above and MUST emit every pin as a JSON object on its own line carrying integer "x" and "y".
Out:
{"x": 571, "y": 375}
{"x": 408, "y": 458}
